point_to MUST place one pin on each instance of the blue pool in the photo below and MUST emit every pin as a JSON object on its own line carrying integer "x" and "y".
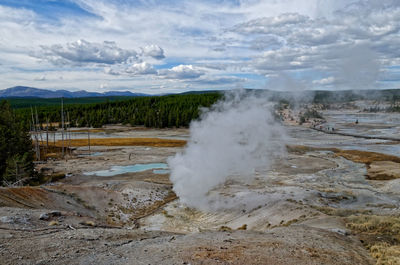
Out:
{"x": 116, "y": 170}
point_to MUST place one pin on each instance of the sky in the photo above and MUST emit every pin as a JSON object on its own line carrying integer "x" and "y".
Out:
{"x": 158, "y": 46}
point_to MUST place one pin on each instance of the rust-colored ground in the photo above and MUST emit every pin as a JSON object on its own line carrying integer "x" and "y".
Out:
{"x": 24, "y": 197}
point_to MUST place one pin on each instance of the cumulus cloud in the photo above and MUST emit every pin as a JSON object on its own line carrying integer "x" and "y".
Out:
{"x": 304, "y": 40}
{"x": 350, "y": 47}
{"x": 154, "y": 51}
{"x": 134, "y": 69}
{"x": 181, "y": 72}
{"x": 284, "y": 59}
{"x": 84, "y": 52}
{"x": 140, "y": 69}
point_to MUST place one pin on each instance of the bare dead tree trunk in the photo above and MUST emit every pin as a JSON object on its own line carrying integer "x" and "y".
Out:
{"x": 69, "y": 133}
{"x": 47, "y": 134}
{"x": 88, "y": 133}
{"x": 37, "y": 151}
{"x": 62, "y": 126}
{"x": 39, "y": 130}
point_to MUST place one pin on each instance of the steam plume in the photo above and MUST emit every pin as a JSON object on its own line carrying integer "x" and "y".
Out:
{"x": 232, "y": 139}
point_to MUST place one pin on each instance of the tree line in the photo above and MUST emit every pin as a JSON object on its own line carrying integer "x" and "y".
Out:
{"x": 16, "y": 152}
{"x": 156, "y": 111}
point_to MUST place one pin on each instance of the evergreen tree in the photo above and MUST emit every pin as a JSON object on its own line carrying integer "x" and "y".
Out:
{"x": 161, "y": 111}
{"x": 16, "y": 156}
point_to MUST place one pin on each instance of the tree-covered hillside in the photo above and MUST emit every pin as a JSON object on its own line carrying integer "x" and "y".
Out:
{"x": 17, "y": 103}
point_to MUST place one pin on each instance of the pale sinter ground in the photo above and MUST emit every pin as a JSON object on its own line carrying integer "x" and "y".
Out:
{"x": 313, "y": 207}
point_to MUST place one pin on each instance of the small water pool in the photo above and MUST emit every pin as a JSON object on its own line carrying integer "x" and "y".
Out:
{"x": 116, "y": 170}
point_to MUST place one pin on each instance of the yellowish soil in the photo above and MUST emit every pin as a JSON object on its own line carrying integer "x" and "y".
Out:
{"x": 384, "y": 170}
{"x": 365, "y": 157}
{"x": 90, "y": 130}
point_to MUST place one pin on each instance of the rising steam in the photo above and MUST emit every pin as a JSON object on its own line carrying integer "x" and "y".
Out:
{"x": 231, "y": 140}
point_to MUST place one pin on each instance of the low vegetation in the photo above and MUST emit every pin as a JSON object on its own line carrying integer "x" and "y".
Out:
{"x": 379, "y": 234}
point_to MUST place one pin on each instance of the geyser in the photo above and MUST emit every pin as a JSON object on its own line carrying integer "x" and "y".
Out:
{"x": 231, "y": 140}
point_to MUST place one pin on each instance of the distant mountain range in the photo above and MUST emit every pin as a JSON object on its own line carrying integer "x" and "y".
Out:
{"x": 31, "y": 92}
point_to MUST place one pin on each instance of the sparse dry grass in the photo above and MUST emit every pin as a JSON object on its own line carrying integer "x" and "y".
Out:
{"x": 223, "y": 255}
{"x": 380, "y": 235}
{"x": 386, "y": 254}
{"x": 88, "y": 223}
{"x": 374, "y": 224}
{"x": 384, "y": 170}
{"x": 353, "y": 155}
{"x": 339, "y": 212}
{"x": 224, "y": 228}
{"x": 243, "y": 227}
{"x": 364, "y": 156}
{"x": 154, "y": 142}
{"x": 53, "y": 223}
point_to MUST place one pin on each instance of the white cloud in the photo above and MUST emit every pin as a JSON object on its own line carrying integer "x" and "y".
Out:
{"x": 352, "y": 45}
{"x": 181, "y": 72}
{"x": 84, "y": 52}
{"x": 133, "y": 69}
{"x": 140, "y": 69}
{"x": 219, "y": 80}
{"x": 154, "y": 51}
{"x": 301, "y": 39}
{"x": 284, "y": 59}
{"x": 271, "y": 25}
